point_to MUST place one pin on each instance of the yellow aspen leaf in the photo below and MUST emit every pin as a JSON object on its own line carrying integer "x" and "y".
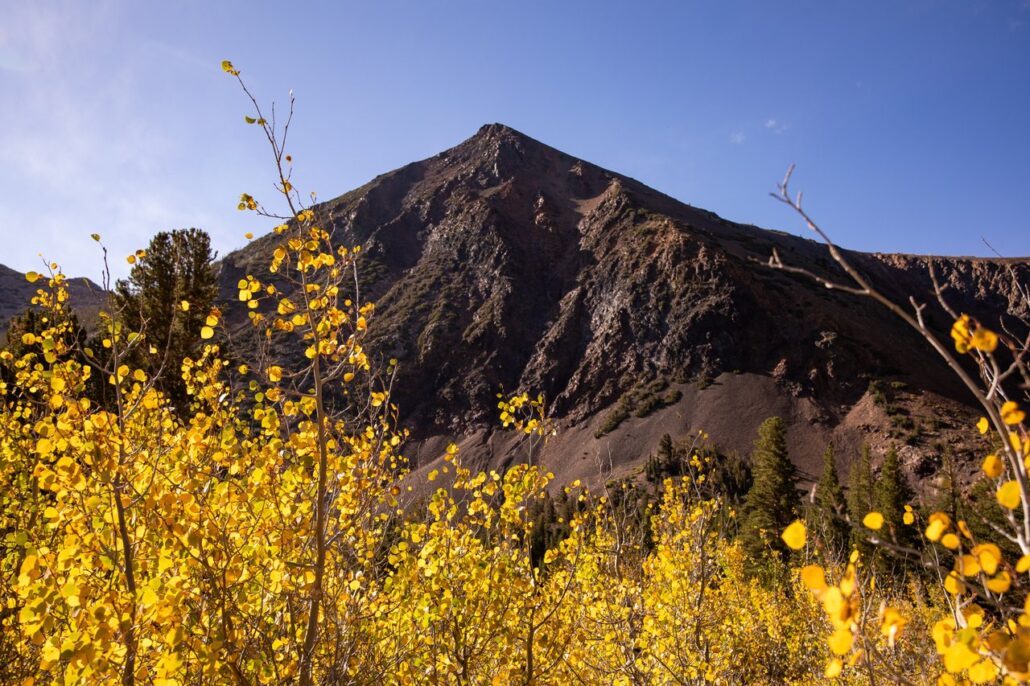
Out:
{"x": 131, "y": 259}
{"x": 938, "y": 524}
{"x": 961, "y": 335}
{"x": 942, "y": 633}
{"x": 992, "y": 466}
{"x": 989, "y": 557}
{"x": 794, "y": 535}
{"x": 1011, "y": 414}
{"x": 908, "y": 518}
{"x": 873, "y": 520}
{"x": 983, "y": 425}
{"x": 814, "y": 578}
{"x": 32, "y": 277}
{"x": 959, "y": 657}
{"x": 275, "y": 374}
{"x": 206, "y": 332}
{"x": 985, "y": 340}
{"x": 892, "y": 623}
{"x": 149, "y": 597}
{"x": 185, "y": 305}
{"x": 248, "y": 235}
{"x": 974, "y": 615}
{"x": 983, "y": 672}
{"x": 833, "y": 668}
{"x": 51, "y": 655}
{"x": 950, "y": 541}
{"x": 211, "y": 320}
{"x": 1009, "y": 495}
{"x": 1000, "y": 583}
{"x": 1023, "y": 564}
{"x": 840, "y": 641}
{"x": 953, "y": 584}
{"x": 968, "y": 565}
{"x": 29, "y": 566}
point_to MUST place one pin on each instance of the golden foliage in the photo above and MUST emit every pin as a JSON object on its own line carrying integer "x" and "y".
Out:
{"x": 261, "y": 538}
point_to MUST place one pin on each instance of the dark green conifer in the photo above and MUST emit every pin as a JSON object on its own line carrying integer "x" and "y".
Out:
{"x": 829, "y": 511}
{"x": 947, "y": 494}
{"x": 891, "y": 493}
{"x": 772, "y": 502}
{"x": 860, "y": 486}
{"x": 177, "y": 267}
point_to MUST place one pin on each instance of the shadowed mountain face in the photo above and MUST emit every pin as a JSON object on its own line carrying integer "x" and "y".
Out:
{"x": 16, "y": 296}
{"x": 503, "y": 263}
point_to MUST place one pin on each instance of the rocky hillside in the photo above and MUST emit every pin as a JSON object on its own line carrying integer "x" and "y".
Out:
{"x": 505, "y": 264}
{"x": 16, "y": 296}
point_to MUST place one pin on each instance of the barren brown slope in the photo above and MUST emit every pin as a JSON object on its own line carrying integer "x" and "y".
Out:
{"x": 503, "y": 263}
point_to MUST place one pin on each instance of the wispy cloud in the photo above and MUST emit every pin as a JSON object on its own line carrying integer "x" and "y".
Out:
{"x": 775, "y": 126}
{"x": 77, "y": 155}
{"x": 737, "y": 138}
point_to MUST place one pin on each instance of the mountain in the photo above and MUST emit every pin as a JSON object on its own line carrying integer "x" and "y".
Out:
{"x": 505, "y": 264}
{"x": 16, "y": 296}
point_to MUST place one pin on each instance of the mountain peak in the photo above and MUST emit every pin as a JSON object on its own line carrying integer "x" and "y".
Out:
{"x": 498, "y": 130}
{"x": 497, "y": 139}
{"x": 506, "y": 263}
{"x": 499, "y": 152}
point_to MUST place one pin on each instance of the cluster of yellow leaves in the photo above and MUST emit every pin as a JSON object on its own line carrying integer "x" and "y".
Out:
{"x": 527, "y": 415}
{"x": 139, "y": 545}
{"x": 986, "y": 634}
{"x": 969, "y": 335}
{"x": 183, "y": 551}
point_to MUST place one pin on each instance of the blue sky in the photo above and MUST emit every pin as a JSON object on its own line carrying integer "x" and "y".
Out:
{"x": 909, "y": 119}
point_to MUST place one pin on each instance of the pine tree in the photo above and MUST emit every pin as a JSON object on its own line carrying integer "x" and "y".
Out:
{"x": 860, "y": 487}
{"x": 176, "y": 268}
{"x": 773, "y": 501}
{"x": 830, "y": 509}
{"x": 890, "y": 495}
{"x": 662, "y": 463}
{"x": 947, "y": 493}
{"x": 892, "y": 492}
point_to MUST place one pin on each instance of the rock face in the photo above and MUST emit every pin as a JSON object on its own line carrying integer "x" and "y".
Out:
{"x": 503, "y": 263}
{"x": 16, "y": 295}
